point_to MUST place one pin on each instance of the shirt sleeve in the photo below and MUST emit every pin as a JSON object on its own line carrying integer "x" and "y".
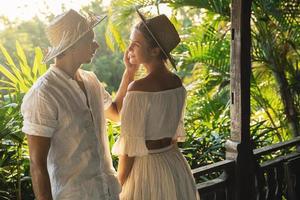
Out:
{"x": 133, "y": 127}
{"x": 39, "y": 114}
{"x": 107, "y": 100}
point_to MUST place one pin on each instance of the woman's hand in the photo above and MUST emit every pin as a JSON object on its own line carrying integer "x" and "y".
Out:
{"x": 130, "y": 68}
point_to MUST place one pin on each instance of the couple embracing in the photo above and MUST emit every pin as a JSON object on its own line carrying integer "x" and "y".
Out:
{"x": 65, "y": 113}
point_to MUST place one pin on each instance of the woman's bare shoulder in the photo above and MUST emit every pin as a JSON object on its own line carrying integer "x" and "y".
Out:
{"x": 150, "y": 84}
{"x": 176, "y": 80}
{"x": 138, "y": 85}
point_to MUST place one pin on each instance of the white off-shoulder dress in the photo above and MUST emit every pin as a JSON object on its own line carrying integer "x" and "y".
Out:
{"x": 160, "y": 174}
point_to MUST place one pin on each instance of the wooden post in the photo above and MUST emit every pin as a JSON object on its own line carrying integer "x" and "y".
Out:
{"x": 239, "y": 147}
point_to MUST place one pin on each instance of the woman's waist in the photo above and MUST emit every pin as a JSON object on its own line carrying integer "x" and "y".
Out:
{"x": 159, "y": 144}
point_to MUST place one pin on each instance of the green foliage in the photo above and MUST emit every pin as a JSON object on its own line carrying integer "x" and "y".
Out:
{"x": 14, "y": 160}
{"x": 19, "y": 79}
{"x": 113, "y": 131}
{"x": 14, "y": 163}
{"x": 207, "y": 124}
{"x": 29, "y": 33}
{"x": 276, "y": 43}
{"x": 221, "y": 7}
{"x": 204, "y": 62}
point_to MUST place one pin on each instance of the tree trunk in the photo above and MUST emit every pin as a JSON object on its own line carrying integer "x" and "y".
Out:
{"x": 288, "y": 102}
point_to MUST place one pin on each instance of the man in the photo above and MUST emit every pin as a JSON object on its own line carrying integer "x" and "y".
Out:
{"x": 64, "y": 117}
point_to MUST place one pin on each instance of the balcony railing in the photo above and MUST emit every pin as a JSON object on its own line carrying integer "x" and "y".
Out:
{"x": 276, "y": 175}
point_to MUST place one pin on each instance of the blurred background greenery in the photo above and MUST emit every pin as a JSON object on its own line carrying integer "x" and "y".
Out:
{"x": 203, "y": 59}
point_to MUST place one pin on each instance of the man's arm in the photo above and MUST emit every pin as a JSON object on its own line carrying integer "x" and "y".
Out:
{"x": 38, "y": 151}
{"x": 128, "y": 76}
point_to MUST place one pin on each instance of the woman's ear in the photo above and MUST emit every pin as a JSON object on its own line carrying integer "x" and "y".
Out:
{"x": 155, "y": 51}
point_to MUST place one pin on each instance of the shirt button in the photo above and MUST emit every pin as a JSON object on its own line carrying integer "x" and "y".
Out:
{"x": 88, "y": 124}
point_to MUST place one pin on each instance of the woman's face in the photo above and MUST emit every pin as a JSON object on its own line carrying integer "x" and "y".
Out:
{"x": 139, "y": 51}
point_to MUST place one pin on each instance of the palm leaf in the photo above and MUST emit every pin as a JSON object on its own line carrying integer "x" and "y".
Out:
{"x": 19, "y": 81}
{"x": 221, "y": 7}
{"x": 8, "y": 74}
{"x": 39, "y": 68}
{"x": 25, "y": 69}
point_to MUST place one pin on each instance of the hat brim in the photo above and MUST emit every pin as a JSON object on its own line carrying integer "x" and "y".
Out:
{"x": 54, "y": 52}
{"x": 168, "y": 55}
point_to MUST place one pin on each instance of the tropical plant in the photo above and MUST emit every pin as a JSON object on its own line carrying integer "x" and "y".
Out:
{"x": 14, "y": 162}
{"x": 207, "y": 116}
{"x": 276, "y": 43}
{"x": 29, "y": 33}
{"x": 18, "y": 78}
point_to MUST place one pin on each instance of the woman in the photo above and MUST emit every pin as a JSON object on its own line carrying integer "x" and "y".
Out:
{"x": 151, "y": 167}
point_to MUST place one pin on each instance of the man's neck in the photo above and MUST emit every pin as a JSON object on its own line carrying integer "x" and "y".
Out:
{"x": 69, "y": 69}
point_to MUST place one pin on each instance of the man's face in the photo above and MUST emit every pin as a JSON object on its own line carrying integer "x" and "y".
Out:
{"x": 86, "y": 48}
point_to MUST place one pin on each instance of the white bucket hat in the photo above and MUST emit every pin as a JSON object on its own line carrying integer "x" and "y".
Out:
{"x": 66, "y": 29}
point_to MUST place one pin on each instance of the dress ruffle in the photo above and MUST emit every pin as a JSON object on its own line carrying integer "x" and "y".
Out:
{"x": 131, "y": 146}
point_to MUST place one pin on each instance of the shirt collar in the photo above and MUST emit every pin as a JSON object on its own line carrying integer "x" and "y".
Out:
{"x": 62, "y": 73}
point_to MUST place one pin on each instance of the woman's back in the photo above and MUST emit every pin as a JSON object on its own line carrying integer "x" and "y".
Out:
{"x": 159, "y": 113}
{"x": 165, "y": 100}
{"x": 156, "y": 82}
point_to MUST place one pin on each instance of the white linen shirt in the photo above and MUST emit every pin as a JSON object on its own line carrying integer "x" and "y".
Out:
{"x": 79, "y": 162}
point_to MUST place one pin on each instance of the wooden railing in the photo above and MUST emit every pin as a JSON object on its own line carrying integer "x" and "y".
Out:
{"x": 277, "y": 177}
{"x": 277, "y": 174}
{"x": 219, "y": 188}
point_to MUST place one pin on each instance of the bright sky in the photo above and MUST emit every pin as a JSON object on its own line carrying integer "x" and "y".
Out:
{"x": 26, "y": 9}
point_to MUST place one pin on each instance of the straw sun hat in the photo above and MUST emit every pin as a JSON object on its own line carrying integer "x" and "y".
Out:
{"x": 66, "y": 29}
{"x": 163, "y": 33}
